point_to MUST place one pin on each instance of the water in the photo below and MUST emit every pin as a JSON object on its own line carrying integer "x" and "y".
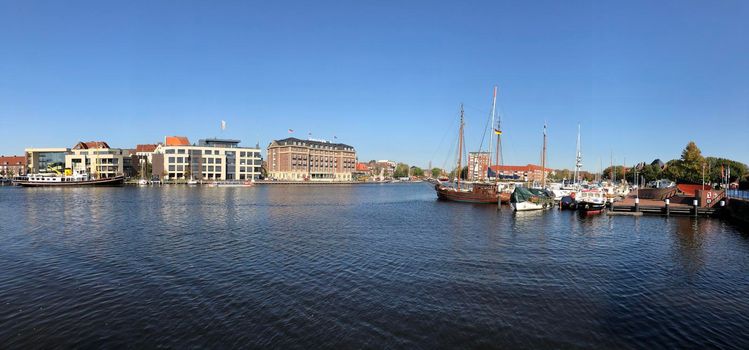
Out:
{"x": 368, "y": 266}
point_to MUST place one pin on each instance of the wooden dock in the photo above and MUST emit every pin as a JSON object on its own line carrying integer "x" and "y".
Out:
{"x": 677, "y": 205}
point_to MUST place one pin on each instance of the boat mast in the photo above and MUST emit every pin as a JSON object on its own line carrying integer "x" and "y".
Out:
{"x": 543, "y": 161}
{"x": 578, "y": 156}
{"x": 494, "y": 104}
{"x": 460, "y": 147}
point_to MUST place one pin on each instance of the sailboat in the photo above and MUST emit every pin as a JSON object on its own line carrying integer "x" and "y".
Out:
{"x": 482, "y": 193}
{"x": 524, "y": 199}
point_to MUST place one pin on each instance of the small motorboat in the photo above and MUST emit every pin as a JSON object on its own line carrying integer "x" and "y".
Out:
{"x": 568, "y": 203}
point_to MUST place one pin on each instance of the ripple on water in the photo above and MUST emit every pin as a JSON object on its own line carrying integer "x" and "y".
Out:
{"x": 356, "y": 266}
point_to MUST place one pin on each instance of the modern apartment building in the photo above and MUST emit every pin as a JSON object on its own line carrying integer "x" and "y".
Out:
{"x": 42, "y": 160}
{"x": 98, "y": 159}
{"x": 478, "y": 164}
{"x": 210, "y": 159}
{"x": 292, "y": 159}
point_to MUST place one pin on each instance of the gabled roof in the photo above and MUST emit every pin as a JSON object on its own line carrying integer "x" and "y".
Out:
{"x": 176, "y": 141}
{"x": 145, "y": 148}
{"x": 12, "y": 160}
{"x": 90, "y": 145}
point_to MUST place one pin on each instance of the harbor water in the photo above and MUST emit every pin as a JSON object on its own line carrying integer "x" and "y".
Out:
{"x": 356, "y": 266}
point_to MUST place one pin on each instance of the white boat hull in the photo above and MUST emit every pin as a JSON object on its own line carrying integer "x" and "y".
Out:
{"x": 527, "y": 206}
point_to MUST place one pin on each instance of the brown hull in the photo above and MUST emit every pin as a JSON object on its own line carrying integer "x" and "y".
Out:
{"x": 447, "y": 193}
{"x": 113, "y": 181}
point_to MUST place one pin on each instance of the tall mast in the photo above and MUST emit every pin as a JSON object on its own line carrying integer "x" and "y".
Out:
{"x": 460, "y": 146}
{"x": 543, "y": 161}
{"x": 494, "y": 104}
{"x": 578, "y": 156}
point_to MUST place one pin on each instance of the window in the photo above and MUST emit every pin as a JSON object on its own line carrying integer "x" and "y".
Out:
{"x": 210, "y": 160}
{"x": 171, "y": 159}
{"x": 171, "y": 168}
{"x": 207, "y": 151}
{"x": 218, "y": 160}
{"x": 218, "y": 168}
{"x": 180, "y": 167}
{"x": 181, "y": 151}
{"x": 180, "y": 159}
{"x": 210, "y": 168}
{"x": 242, "y": 154}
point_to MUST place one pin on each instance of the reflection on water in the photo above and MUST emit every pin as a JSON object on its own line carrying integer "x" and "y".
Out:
{"x": 356, "y": 266}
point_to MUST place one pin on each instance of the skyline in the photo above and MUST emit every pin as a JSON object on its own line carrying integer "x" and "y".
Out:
{"x": 642, "y": 80}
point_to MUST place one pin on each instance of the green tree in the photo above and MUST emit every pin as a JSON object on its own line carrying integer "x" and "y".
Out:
{"x": 436, "y": 172}
{"x": 416, "y": 171}
{"x": 689, "y": 168}
{"x": 401, "y": 170}
{"x": 616, "y": 170}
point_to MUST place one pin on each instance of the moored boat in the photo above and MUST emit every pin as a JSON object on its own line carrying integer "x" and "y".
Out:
{"x": 524, "y": 199}
{"x": 591, "y": 201}
{"x": 76, "y": 179}
{"x": 478, "y": 193}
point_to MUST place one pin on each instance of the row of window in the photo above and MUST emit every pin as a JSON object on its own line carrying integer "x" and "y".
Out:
{"x": 213, "y": 152}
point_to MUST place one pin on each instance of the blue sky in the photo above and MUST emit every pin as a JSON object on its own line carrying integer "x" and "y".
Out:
{"x": 642, "y": 78}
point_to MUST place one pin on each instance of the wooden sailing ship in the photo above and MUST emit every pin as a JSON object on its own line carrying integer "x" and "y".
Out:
{"x": 482, "y": 193}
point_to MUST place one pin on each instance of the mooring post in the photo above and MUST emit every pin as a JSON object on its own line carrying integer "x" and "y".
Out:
{"x": 694, "y": 205}
{"x": 637, "y": 204}
{"x": 668, "y": 208}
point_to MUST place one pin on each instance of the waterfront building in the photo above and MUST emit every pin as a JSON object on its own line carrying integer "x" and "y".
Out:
{"x": 211, "y": 159}
{"x": 45, "y": 160}
{"x": 478, "y": 164}
{"x": 11, "y": 166}
{"x": 292, "y": 159}
{"x": 144, "y": 152}
{"x": 98, "y": 159}
{"x": 528, "y": 172}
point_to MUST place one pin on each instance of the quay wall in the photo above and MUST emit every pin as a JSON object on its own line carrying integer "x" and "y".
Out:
{"x": 738, "y": 211}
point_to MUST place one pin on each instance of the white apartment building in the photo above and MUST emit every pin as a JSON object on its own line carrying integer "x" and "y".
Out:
{"x": 211, "y": 159}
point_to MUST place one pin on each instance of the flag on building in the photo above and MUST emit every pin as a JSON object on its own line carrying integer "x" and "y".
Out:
{"x": 223, "y": 125}
{"x": 498, "y": 132}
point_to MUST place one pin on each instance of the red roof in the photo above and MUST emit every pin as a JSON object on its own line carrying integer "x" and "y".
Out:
{"x": 145, "y": 148}
{"x": 91, "y": 144}
{"x": 362, "y": 167}
{"x": 176, "y": 141}
{"x": 12, "y": 160}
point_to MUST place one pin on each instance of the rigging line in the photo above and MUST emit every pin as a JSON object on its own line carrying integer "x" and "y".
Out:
{"x": 442, "y": 140}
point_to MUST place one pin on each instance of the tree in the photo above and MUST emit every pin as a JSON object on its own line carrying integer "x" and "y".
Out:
{"x": 737, "y": 169}
{"x": 401, "y": 170}
{"x": 689, "y": 168}
{"x": 615, "y": 171}
{"x": 416, "y": 171}
{"x": 436, "y": 172}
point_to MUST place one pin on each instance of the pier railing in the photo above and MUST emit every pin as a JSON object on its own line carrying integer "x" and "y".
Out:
{"x": 738, "y": 194}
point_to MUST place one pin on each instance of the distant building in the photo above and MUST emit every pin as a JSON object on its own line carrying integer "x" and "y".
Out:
{"x": 98, "y": 159}
{"x": 211, "y": 159}
{"x": 45, "y": 160}
{"x": 478, "y": 164}
{"x": 292, "y": 159}
{"x": 523, "y": 173}
{"x": 144, "y": 152}
{"x": 11, "y": 166}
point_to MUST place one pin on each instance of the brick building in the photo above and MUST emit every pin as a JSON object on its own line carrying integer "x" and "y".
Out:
{"x": 528, "y": 172}
{"x": 478, "y": 164}
{"x": 12, "y": 166}
{"x": 292, "y": 159}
